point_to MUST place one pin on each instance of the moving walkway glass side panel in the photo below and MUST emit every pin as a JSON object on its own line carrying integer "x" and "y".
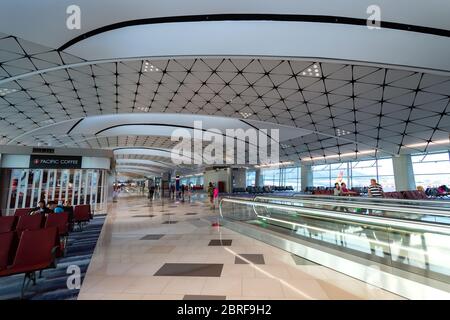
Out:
{"x": 413, "y": 214}
{"x": 424, "y": 253}
{"x": 435, "y": 204}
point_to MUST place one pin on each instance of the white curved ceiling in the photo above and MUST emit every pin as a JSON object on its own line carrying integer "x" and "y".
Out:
{"x": 142, "y": 162}
{"x": 162, "y": 153}
{"x": 20, "y": 17}
{"x": 138, "y": 172}
{"x": 154, "y": 124}
{"x": 152, "y": 170}
{"x": 394, "y": 100}
{"x": 349, "y": 43}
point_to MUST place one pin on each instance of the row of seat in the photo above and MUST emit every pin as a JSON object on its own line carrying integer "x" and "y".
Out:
{"x": 31, "y": 243}
{"x": 36, "y": 250}
{"x": 81, "y": 213}
{"x": 410, "y": 195}
{"x": 19, "y": 224}
{"x": 265, "y": 189}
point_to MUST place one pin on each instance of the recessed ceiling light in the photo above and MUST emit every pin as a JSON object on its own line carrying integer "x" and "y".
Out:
{"x": 312, "y": 71}
{"x": 5, "y": 91}
{"x": 340, "y": 132}
{"x": 147, "y": 65}
{"x": 245, "y": 115}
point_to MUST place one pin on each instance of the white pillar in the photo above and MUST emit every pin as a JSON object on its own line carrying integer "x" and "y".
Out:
{"x": 259, "y": 181}
{"x": 403, "y": 173}
{"x": 307, "y": 176}
{"x": 239, "y": 177}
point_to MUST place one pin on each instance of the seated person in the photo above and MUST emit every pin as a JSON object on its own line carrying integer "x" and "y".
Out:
{"x": 344, "y": 189}
{"x": 40, "y": 209}
{"x": 337, "y": 189}
{"x": 442, "y": 190}
{"x": 68, "y": 208}
{"x": 51, "y": 205}
{"x": 59, "y": 209}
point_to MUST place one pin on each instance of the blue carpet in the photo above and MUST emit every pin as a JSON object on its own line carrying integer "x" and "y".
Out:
{"x": 53, "y": 284}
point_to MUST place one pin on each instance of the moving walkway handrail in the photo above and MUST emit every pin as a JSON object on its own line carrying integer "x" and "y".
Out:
{"x": 401, "y": 202}
{"x": 388, "y": 223}
{"x": 351, "y": 204}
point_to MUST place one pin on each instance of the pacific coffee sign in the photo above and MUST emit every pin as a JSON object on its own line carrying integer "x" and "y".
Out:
{"x": 55, "y": 162}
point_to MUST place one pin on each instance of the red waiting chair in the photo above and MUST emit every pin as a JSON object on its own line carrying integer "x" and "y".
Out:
{"x": 6, "y": 248}
{"x": 22, "y": 212}
{"x": 61, "y": 222}
{"x": 36, "y": 251}
{"x": 82, "y": 214}
{"x": 33, "y": 222}
{"x": 7, "y": 224}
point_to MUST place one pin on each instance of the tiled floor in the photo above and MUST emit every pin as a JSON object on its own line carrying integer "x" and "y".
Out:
{"x": 136, "y": 243}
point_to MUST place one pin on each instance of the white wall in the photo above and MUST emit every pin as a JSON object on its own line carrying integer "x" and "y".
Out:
{"x": 95, "y": 163}
{"x": 215, "y": 176}
{"x": 15, "y": 161}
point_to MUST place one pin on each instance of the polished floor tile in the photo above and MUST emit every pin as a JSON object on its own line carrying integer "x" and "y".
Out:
{"x": 190, "y": 269}
{"x": 220, "y": 242}
{"x": 245, "y": 258}
{"x": 152, "y": 237}
{"x": 125, "y": 267}
{"x": 203, "y": 297}
{"x": 185, "y": 285}
{"x": 160, "y": 249}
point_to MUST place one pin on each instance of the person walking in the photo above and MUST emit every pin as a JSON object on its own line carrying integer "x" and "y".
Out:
{"x": 374, "y": 191}
{"x": 151, "y": 192}
{"x": 183, "y": 188}
{"x": 216, "y": 196}
{"x": 211, "y": 194}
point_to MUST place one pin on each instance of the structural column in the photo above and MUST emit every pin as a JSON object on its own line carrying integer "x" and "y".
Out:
{"x": 239, "y": 178}
{"x": 306, "y": 176}
{"x": 403, "y": 173}
{"x": 259, "y": 179}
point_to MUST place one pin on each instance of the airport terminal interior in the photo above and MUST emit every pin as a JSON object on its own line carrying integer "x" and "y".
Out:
{"x": 224, "y": 150}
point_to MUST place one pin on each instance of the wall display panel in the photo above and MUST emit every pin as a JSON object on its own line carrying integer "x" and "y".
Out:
{"x": 28, "y": 186}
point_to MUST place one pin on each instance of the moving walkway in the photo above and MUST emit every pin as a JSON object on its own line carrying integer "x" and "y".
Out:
{"x": 406, "y": 242}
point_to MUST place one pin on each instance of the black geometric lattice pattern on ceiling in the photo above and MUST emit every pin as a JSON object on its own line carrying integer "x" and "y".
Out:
{"x": 349, "y": 107}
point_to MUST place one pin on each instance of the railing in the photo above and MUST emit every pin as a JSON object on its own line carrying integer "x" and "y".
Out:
{"x": 397, "y": 202}
{"x": 386, "y": 210}
{"x": 421, "y": 247}
{"x": 391, "y": 223}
